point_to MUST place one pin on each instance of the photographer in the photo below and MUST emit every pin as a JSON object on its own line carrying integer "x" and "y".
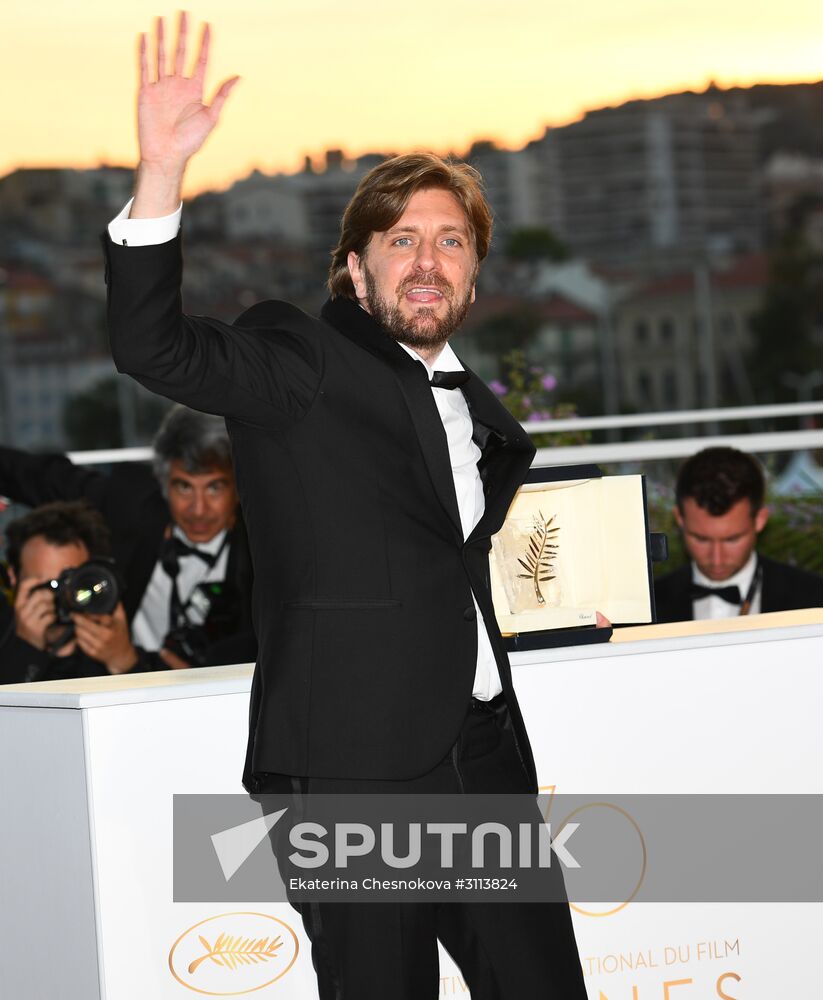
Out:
{"x": 177, "y": 537}
{"x": 41, "y": 638}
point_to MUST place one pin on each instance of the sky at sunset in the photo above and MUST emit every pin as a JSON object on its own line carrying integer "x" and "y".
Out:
{"x": 369, "y": 75}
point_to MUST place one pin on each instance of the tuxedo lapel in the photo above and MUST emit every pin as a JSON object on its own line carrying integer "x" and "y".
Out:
{"x": 507, "y": 452}
{"x": 414, "y": 384}
{"x": 356, "y": 325}
{"x": 770, "y": 596}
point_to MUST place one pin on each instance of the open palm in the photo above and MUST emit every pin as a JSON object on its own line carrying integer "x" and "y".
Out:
{"x": 172, "y": 120}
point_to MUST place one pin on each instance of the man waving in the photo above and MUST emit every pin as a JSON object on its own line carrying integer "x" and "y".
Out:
{"x": 373, "y": 469}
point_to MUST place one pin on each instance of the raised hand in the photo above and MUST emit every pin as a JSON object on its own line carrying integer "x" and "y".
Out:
{"x": 173, "y": 121}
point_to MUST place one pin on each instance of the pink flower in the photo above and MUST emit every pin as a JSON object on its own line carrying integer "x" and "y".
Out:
{"x": 548, "y": 382}
{"x": 498, "y": 388}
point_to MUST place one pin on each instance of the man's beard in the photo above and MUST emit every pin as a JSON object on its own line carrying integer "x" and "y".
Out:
{"x": 424, "y": 329}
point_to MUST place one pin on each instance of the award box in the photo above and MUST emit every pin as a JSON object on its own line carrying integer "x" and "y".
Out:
{"x": 574, "y": 542}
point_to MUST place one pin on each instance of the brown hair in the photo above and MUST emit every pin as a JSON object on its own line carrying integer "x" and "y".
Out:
{"x": 718, "y": 478}
{"x": 382, "y": 196}
{"x": 62, "y": 522}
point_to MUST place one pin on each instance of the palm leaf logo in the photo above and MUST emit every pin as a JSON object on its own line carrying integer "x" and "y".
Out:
{"x": 232, "y": 952}
{"x": 541, "y": 551}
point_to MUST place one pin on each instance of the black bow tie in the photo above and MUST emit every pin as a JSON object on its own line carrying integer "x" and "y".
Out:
{"x": 731, "y": 595}
{"x": 174, "y": 549}
{"x": 449, "y": 380}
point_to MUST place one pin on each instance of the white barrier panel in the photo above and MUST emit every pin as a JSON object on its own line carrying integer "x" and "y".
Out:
{"x": 88, "y": 769}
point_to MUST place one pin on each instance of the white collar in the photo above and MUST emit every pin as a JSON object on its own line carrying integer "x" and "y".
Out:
{"x": 742, "y": 578}
{"x": 446, "y": 360}
{"x": 212, "y": 547}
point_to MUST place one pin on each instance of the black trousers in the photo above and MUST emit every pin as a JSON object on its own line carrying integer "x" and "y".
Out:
{"x": 366, "y": 951}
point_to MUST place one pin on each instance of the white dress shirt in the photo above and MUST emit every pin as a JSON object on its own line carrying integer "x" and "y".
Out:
{"x": 471, "y": 502}
{"x": 715, "y": 607}
{"x": 150, "y": 625}
{"x": 451, "y": 405}
{"x": 144, "y": 232}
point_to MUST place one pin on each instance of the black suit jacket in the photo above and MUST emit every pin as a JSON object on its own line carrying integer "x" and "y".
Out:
{"x": 137, "y": 515}
{"x": 363, "y": 582}
{"x": 784, "y": 589}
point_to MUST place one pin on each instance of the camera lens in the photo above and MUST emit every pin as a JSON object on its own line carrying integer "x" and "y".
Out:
{"x": 92, "y": 589}
{"x": 85, "y": 597}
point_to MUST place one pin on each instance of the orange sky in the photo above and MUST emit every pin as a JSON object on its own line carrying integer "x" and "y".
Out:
{"x": 366, "y": 75}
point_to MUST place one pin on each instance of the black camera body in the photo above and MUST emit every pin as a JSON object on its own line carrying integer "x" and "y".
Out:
{"x": 91, "y": 589}
{"x": 94, "y": 588}
{"x": 218, "y": 603}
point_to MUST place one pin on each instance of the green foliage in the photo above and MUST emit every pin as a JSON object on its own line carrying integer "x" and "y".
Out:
{"x": 527, "y": 394}
{"x": 535, "y": 243}
{"x": 661, "y": 519}
{"x": 794, "y": 532}
{"x": 509, "y": 331}
{"x": 785, "y": 329}
{"x": 91, "y": 419}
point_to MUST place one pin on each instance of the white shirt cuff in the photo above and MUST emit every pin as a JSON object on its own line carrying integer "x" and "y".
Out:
{"x": 144, "y": 232}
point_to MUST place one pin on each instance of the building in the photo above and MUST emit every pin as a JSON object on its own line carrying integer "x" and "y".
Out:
{"x": 511, "y": 180}
{"x": 301, "y": 210}
{"x": 558, "y": 315}
{"x": 658, "y": 183}
{"x": 682, "y": 339}
{"x": 63, "y": 205}
{"x": 51, "y": 346}
{"x": 263, "y": 206}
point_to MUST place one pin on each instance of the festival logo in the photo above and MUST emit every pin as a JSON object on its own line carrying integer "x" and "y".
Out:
{"x": 233, "y": 954}
{"x": 625, "y": 833}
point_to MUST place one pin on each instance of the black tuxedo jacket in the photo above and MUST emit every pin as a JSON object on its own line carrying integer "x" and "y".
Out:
{"x": 133, "y": 507}
{"x": 784, "y": 589}
{"x": 363, "y": 581}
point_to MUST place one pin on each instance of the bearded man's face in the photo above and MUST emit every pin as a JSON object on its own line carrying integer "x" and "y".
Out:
{"x": 417, "y": 278}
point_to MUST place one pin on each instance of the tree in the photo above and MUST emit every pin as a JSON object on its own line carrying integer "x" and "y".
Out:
{"x": 535, "y": 243}
{"x": 786, "y": 329}
{"x": 508, "y": 331}
{"x": 92, "y": 419}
